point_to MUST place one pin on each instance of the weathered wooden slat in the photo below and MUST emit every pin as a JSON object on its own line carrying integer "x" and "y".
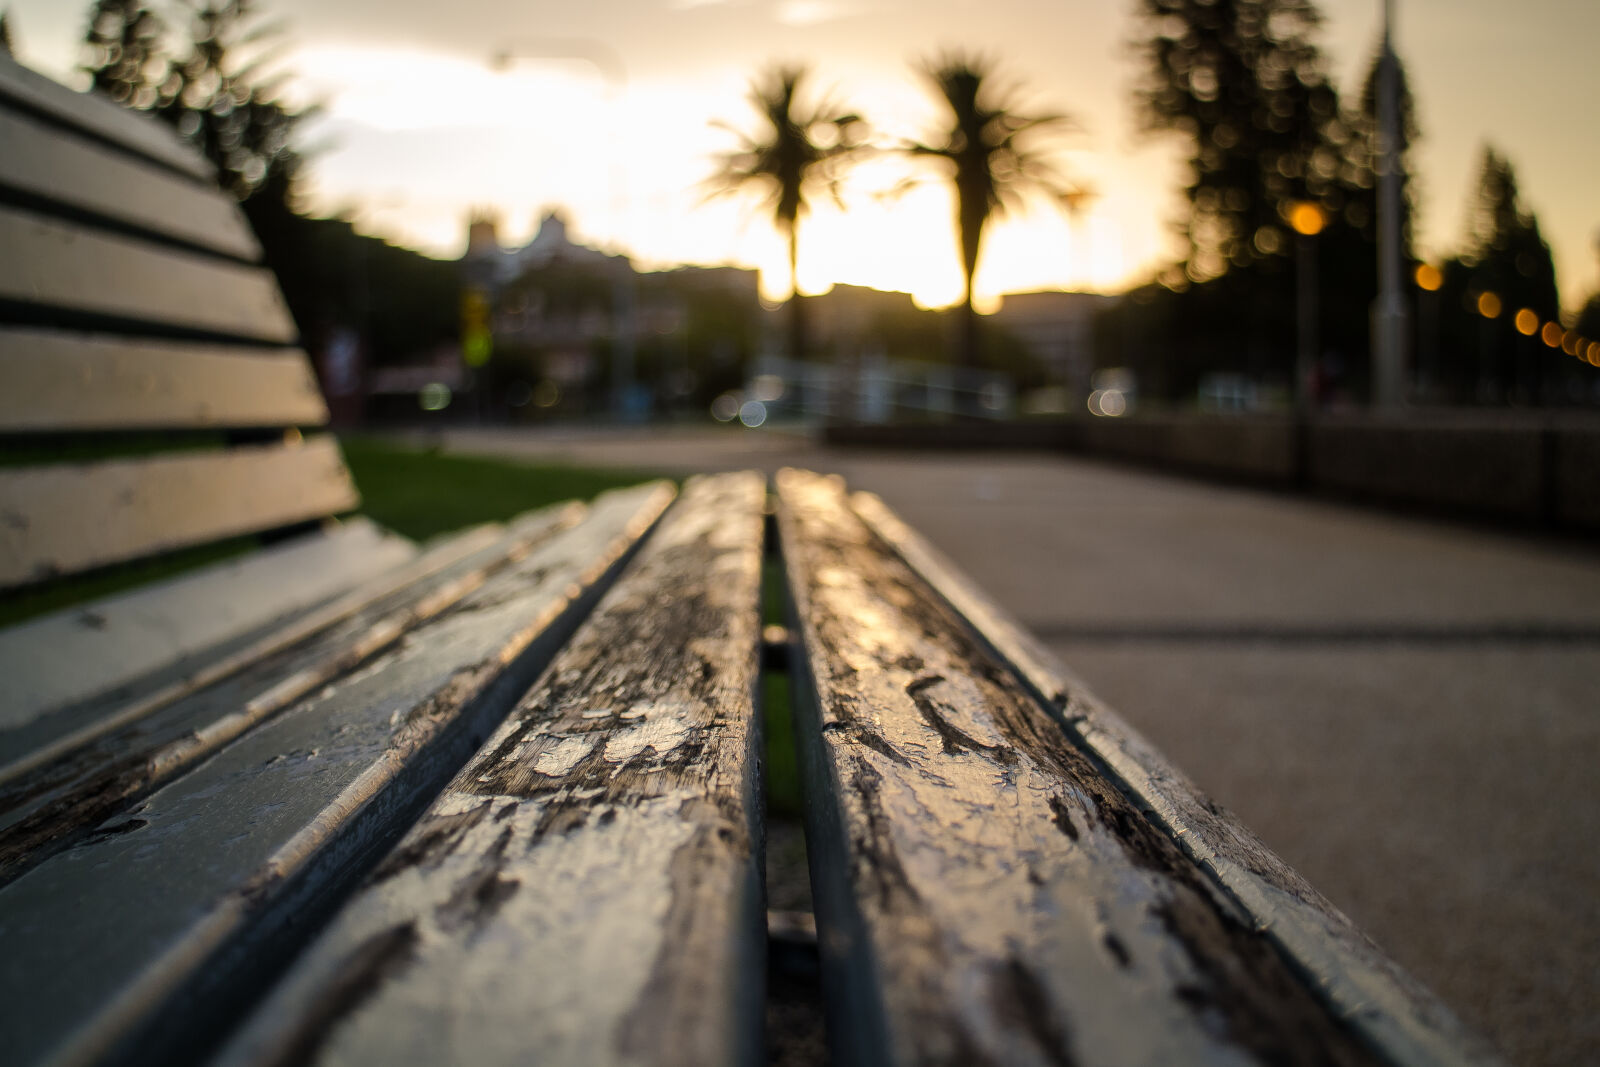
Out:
{"x": 78, "y": 653}
{"x": 984, "y": 893}
{"x": 49, "y": 799}
{"x": 64, "y": 518}
{"x": 81, "y": 174}
{"x": 60, "y": 381}
{"x": 1361, "y": 985}
{"x": 138, "y": 943}
{"x": 179, "y": 672}
{"x": 100, "y": 117}
{"x": 75, "y": 267}
{"x": 586, "y": 890}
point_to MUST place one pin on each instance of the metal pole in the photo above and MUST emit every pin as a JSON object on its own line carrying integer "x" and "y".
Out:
{"x": 1389, "y": 311}
{"x": 1306, "y": 357}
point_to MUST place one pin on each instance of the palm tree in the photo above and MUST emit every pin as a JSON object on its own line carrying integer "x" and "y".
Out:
{"x": 796, "y": 149}
{"x": 992, "y": 163}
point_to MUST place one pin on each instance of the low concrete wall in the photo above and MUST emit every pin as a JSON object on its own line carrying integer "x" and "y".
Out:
{"x": 1521, "y": 467}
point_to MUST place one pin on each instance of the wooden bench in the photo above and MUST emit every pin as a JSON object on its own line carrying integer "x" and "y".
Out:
{"x": 501, "y": 798}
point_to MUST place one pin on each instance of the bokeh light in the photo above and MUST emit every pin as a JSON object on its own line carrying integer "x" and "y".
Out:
{"x": 1489, "y": 305}
{"x": 1306, "y": 218}
{"x": 1527, "y": 322}
{"x": 1429, "y": 277}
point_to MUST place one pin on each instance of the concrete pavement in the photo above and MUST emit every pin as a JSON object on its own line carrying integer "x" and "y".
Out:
{"x": 1404, "y": 710}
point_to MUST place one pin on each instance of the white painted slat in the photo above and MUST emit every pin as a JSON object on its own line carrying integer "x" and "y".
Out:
{"x": 184, "y": 718}
{"x": 35, "y": 158}
{"x": 61, "y": 381}
{"x": 144, "y": 134}
{"x": 75, "y": 267}
{"x": 81, "y": 652}
{"x": 585, "y": 891}
{"x": 67, "y": 517}
{"x": 106, "y": 943}
{"x": 1386, "y": 1005}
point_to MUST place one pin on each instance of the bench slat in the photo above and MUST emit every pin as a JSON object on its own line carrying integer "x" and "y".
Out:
{"x": 91, "y": 650}
{"x": 67, "y": 517}
{"x": 54, "y": 794}
{"x": 586, "y": 890}
{"x": 985, "y": 895}
{"x": 61, "y": 381}
{"x": 217, "y": 871}
{"x": 70, "y": 266}
{"x": 81, "y": 174}
{"x": 1391, "y": 1009}
{"x": 101, "y": 117}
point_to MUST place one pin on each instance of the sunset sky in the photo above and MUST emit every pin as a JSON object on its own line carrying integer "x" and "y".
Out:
{"x": 420, "y": 129}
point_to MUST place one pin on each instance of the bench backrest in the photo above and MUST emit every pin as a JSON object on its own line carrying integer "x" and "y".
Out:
{"x": 132, "y": 300}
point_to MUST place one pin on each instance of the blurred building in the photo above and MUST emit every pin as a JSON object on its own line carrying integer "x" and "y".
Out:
{"x": 1057, "y": 329}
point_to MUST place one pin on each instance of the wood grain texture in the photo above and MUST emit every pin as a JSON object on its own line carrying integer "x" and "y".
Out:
{"x": 78, "y": 268}
{"x": 53, "y": 796}
{"x": 100, "y": 117}
{"x": 1360, "y": 984}
{"x": 59, "y": 381}
{"x": 140, "y": 943}
{"x": 78, "y": 173}
{"x": 985, "y": 893}
{"x": 95, "y": 649}
{"x": 64, "y": 518}
{"x": 585, "y": 891}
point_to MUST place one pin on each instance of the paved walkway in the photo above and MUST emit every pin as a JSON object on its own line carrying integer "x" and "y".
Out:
{"x": 1406, "y": 711}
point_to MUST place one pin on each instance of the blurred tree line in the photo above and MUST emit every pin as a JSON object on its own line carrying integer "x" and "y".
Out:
{"x": 1244, "y": 84}
{"x": 207, "y": 68}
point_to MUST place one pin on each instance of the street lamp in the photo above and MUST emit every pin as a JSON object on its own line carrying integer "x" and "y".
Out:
{"x": 1430, "y": 280}
{"x": 1389, "y": 310}
{"x": 1307, "y": 220}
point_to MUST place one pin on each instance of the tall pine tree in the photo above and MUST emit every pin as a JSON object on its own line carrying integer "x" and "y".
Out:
{"x": 1243, "y": 81}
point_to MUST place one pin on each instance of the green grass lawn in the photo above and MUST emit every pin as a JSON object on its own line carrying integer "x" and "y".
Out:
{"x": 421, "y": 493}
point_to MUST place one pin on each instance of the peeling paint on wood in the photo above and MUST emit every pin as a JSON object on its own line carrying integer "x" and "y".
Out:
{"x": 986, "y": 894}
{"x": 49, "y": 808}
{"x": 586, "y": 890}
{"x": 1361, "y": 985}
{"x": 99, "y": 651}
{"x": 150, "y": 932}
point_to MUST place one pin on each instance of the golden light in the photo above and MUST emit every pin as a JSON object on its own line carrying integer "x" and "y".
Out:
{"x": 1306, "y": 218}
{"x": 1489, "y": 305}
{"x": 1551, "y": 335}
{"x": 1429, "y": 278}
{"x": 1594, "y": 353}
{"x": 1527, "y": 322}
{"x": 1569, "y": 343}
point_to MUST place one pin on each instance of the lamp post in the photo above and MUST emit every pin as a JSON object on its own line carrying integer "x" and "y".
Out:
{"x": 608, "y": 64}
{"x": 1389, "y": 311}
{"x": 1307, "y": 220}
{"x": 1429, "y": 279}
